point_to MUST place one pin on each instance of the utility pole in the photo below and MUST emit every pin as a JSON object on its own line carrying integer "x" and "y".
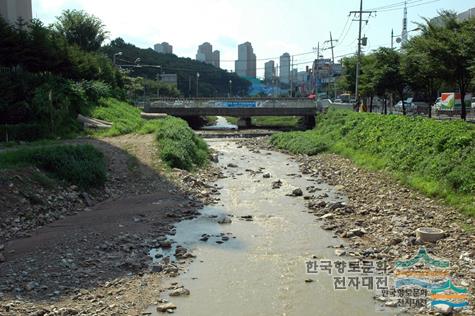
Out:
{"x": 292, "y": 77}
{"x": 392, "y": 38}
{"x": 358, "y": 63}
{"x": 316, "y": 70}
{"x": 333, "y": 60}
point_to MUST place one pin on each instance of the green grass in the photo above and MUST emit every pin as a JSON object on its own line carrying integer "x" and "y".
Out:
{"x": 82, "y": 165}
{"x": 437, "y": 158}
{"x": 273, "y": 121}
{"x": 270, "y": 121}
{"x": 179, "y": 146}
{"x": 124, "y": 117}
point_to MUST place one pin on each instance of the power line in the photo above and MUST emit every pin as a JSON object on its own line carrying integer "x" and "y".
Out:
{"x": 412, "y": 6}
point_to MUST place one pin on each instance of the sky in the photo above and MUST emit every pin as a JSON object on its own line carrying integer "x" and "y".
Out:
{"x": 272, "y": 26}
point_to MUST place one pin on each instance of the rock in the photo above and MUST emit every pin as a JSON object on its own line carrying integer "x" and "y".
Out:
{"x": 180, "y": 292}
{"x": 2, "y": 247}
{"x": 444, "y": 309}
{"x": 215, "y": 158}
{"x": 297, "y": 192}
{"x": 232, "y": 165}
{"x": 164, "y": 307}
{"x": 2, "y": 257}
{"x": 165, "y": 244}
{"x": 356, "y": 232}
{"x": 392, "y": 303}
{"x": 224, "y": 219}
{"x": 266, "y": 175}
{"x": 157, "y": 268}
{"x": 339, "y": 187}
{"x": 327, "y": 216}
{"x": 309, "y": 281}
{"x": 30, "y": 286}
{"x": 276, "y": 184}
{"x": 340, "y": 252}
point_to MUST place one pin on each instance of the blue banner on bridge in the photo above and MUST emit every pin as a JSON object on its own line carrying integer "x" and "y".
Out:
{"x": 237, "y": 104}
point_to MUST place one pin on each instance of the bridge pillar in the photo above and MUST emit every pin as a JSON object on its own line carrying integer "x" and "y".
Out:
{"x": 309, "y": 121}
{"x": 244, "y": 122}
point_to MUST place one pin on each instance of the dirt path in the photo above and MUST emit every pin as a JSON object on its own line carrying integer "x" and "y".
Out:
{"x": 93, "y": 260}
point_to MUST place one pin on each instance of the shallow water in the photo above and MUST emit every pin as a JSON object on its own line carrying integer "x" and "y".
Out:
{"x": 262, "y": 270}
{"x": 221, "y": 123}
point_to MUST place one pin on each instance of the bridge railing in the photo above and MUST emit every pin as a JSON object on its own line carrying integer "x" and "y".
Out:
{"x": 230, "y": 103}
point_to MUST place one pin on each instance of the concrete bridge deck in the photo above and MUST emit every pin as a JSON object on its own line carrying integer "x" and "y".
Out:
{"x": 243, "y": 108}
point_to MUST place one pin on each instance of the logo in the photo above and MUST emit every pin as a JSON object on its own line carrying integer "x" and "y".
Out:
{"x": 431, "y": 276}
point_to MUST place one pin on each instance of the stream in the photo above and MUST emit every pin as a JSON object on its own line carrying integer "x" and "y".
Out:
{"x": 260, "y": 266}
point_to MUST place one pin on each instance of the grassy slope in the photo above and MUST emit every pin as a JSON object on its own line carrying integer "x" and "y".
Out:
{"x": 82, "y": 165}
{"x": 179, "y": 146}
{"x": 435, "y": 157}
{"x": 124, "y": 117}
{"x": 284, "y": 121}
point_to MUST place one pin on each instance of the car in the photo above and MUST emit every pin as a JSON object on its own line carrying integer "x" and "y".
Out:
{"x": 412, "y": 106}
{"x": 473, "y": 103}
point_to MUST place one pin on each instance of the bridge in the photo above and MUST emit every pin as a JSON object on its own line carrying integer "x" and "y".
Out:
{"x": 244, "y": 108}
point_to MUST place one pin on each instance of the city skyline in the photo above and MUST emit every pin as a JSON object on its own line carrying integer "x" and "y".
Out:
{"x": 262, "y": 26}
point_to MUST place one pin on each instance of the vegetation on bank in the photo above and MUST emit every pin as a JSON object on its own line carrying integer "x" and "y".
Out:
{"x": 270, "y": 121}
{"x": 435, "y": 157}
{"x": 179, "y": 146}
{"x": 81, "y": 165}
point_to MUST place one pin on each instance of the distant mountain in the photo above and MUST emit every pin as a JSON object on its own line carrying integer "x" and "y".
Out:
{"x": 212, "y": 81}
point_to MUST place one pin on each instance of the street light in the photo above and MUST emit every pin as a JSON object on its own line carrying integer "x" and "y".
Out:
{"x": 230, "y": 85}
{"x": 197, "y": 80}
{"x": 114, "y": 57}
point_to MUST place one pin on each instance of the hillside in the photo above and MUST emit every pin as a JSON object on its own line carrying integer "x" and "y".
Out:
{"x": 212, "y": 81}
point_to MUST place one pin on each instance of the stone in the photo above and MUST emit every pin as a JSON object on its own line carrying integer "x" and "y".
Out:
{"x": 164, "y": 307}
{"x": 2, "y": 257}
{"x": 340, "y": 252}
{"x": 276, "y": 184}
{"x": 215, "y": 158}
{"x": 444, "y": 309}
{"x": 180, "y": 292}
{"x": 266, "y": 175}
{"x": 165, "y": 244}
{"x": 30, "y": 286}
{"x": 309, "y": 281}
{"x": 357, "y": 232}
{"x": 157, "y": 268}
{"x": 224, "y": 219}
{"x": 327, "y": 216}
{"x": 297, "y": 192}
{"x": 232, "y": 165}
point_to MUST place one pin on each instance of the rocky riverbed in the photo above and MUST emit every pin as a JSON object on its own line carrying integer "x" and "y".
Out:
{"x": 64, "y": 251}
{"x": 380, "y": 219}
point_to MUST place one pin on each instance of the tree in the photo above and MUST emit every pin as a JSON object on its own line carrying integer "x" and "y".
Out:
{"x": 367, "y": 82}
{"x": 82, "y": 29}
{"x": 451, "y": 44}
{"x": 421, "y": 71}
{"x": 387, "y": 73}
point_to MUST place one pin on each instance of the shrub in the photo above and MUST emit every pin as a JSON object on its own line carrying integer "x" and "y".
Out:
{"x": 179, "y": 146}
{"x": 82, "y": 165}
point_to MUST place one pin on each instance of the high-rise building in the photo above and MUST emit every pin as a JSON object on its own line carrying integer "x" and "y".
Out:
{"x": 12, "y": 10}
{"x": 269, "y": 70}
{"x": 163, "y": 48}
{"x": 284, "y": 75}
{"x": 216, "y": 59}
{"x": 245, "y": 65}
{"x": 205, "y": 53}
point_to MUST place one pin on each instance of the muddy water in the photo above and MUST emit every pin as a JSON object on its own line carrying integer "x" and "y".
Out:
{"x": 260, "y": 270}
